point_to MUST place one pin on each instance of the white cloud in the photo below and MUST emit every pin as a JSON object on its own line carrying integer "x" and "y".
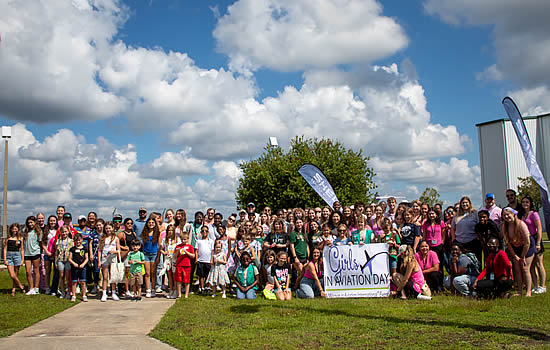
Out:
{"x": 292, "y": 35}
{"x": 171, "y": 164}
{"x": 533, "y": 101}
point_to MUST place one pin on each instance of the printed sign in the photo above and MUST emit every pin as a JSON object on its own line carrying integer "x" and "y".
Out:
{"x": 358, "y": 271}
{"x": 318, "y": 181}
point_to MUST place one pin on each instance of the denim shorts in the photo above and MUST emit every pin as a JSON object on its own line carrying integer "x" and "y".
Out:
{"x": 64, "y": 266}
{"x": 78, "y": 274}
{"x": 150, "y": 257}
{"x": 13, "y": 258}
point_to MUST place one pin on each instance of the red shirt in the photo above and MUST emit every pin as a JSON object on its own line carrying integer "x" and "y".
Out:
{"x": 498, "y": 264}
{"x": 183, "y": 259}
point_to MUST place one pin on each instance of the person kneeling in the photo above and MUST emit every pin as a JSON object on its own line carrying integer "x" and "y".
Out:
{"x": 310, "y": 280}
{"x": 495, "y": 279}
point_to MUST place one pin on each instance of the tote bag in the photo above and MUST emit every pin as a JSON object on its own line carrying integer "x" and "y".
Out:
{"x": 117, "y": 271}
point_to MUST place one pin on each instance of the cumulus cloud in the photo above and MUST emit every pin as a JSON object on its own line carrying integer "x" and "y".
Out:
{"x": 171, "y": 164}
{"x": 292, "y": 35}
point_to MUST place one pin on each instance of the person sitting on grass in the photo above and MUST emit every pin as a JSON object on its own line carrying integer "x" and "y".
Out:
{"x": 464, "y": 270}
{"x": 281, "y": 275}
{"x": 246, "y": 278}
{"x": 495, "y": 279}
{"x": 409, "y": 280}
{"x": 429, "y": 264}
{"x": 310, "y": 281}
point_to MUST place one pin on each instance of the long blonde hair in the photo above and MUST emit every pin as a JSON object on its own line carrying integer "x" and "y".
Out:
{"x": 506, "y": 224}
{"x": 461, "y": 213}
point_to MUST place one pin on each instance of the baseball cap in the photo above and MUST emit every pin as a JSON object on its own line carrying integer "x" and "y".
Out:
{"x": 402, "y": 249}
{"x": 82, "y": 217}
{"x": 142, "y": 209}
{"x": 242, "y": 211}
{"x": 67, "y": 216}
{"x": 490, "y": 195}
{"x": 251, "y": 204}
{"x": 117, "y": 217}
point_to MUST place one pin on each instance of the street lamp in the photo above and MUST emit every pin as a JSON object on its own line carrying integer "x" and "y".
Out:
{"x": 273, "y": 141}
{"x": 6, "y": 134}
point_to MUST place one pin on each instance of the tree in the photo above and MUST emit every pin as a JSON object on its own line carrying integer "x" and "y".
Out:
{"x": 430, "y": 196}
{"x": 529, "y": 187}
{"x": 273, "y": 180}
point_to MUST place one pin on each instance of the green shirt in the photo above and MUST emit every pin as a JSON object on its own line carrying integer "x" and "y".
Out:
{"x": 136, "y": 267}
{"x": 300, "y": 244}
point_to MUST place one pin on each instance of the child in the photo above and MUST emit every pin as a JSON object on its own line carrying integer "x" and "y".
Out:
{"x": 204, "y": 247}
{"x": 79, "y": 259}
{"x": 246, "y": 278}
{"x": 299, "y": 247}
{"x": 281, "y": 276}
{"x": 246, "y": 248}
{"x": 218, "y": 273}
{"x": 136, "y": 260}
{"x": 64, "y": 244}
{"x": 167, "y": 250}
{"x": 183, "y": 256}
{"x": 109, "y": 248}
{"x": 256, "y": 242}
{"x": 363, "y": 234}
{"x": 326, "y": 239}
{"x": 343, "y": 236}
{"x": 13, "y": 254}
{"x": 267, "y": 279}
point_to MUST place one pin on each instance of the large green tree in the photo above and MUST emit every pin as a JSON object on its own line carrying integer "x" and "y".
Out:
{"x": 430, "y": 196}
{"x": 273, "y": 180}
{"x": 529, "y": 187}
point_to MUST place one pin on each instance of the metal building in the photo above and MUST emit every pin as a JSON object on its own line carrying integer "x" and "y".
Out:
{"x": 501, "y": 158}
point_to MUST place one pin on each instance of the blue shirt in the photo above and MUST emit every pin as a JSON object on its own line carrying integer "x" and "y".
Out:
{"x": 138, "y": 226}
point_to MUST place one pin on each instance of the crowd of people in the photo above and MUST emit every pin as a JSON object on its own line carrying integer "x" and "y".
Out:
{"x": 488, "y": 253}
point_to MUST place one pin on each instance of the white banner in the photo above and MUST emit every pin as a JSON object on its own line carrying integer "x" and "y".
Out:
{"x": 357, "y": 271}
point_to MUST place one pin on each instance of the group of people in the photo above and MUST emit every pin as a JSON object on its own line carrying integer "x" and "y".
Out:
{"x": 484, "y": 252}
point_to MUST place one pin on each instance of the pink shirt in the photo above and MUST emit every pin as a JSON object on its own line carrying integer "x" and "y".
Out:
{"x": 531, "y": 221}
{"x": 427, "y": 263}
{"x": 433, "y": 233}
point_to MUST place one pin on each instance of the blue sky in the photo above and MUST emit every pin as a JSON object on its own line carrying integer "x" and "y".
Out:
{"x": 179, "y": 92}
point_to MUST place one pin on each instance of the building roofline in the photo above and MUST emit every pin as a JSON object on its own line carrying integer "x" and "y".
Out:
{"x": 505, "y": 119}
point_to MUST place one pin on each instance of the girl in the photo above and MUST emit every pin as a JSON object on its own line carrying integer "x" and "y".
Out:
{"x": 348, "y": 218}
{"x": 417, "y": 214}
{"x": 184, "y": 254}
{"x": 410, "y": 280}
{"x": 393, "y": 241}
{"x": 432, "y": 233}
{"x": 14, "y": 252}
{"x": 150, "y": 237}
{"x": 95, "y": 238}
{"x": 326, "y": 238}
{"x": 218, "y": 273}
{"x": 368, "y": 217}
{"x": 299, "y": 248}
{"x": 32, "y": 239}
{"x": 170, "y": 217}
{"x": 335, "y": 221}
{"x": 78, "y": 258}
{"x": 313, "y": 234}
{"x": 109, "y": 248}
{"x": 63, "y": 246}
{"x": 429, "y": 265}
{"x": 410, "y": 233}
{"x": 521, "y": 246}
{"x": 125, "y": 238}
{"x": 362, "y": 235}
{"x": 377, "y": 222}
{"x": 181, "y": 223}
{"x": 246, "y": 248}
{"x": 230, "y": 229}
{"x": 264, "y": 221}
{"x": 246, "y": 278}
{"x": 325, "y": 215}
{"x": 48, "y": 246}
{"x": 277, "y": 239}
{"x": 343, "y": 237}
{"x": 281, "y": 276}
{"x": 532, "y": 219}
{"x": 167, "y": 250}
{"x": 310, "y": 281}
{"x": 267, "y": 278}
{"x": 424, "y": 209}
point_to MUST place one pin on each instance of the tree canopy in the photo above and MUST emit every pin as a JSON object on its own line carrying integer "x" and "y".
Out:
{"x": 273, "y": 180}
{"x": 430, "y": 196}
{"x": 529, "y": 187}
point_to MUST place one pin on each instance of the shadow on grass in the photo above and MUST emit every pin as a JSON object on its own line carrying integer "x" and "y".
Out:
{"x": 539, "y": 336}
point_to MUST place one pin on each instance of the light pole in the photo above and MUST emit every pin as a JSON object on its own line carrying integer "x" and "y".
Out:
{"x": 6, "y": 134}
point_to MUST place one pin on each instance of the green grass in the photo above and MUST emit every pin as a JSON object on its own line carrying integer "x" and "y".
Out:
{"x": 447, "y": 321}
{"x": 22, "y": 311}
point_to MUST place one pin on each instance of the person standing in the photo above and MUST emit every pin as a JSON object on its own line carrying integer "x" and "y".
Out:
{"x": 495, "y": 212}
{"x": 139, "y": 223}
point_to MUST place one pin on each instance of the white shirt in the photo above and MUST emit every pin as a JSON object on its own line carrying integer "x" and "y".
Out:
{"x": 204, "y": 250}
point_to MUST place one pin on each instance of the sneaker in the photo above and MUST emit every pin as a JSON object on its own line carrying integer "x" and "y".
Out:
{"x": 73, "y": 299}
{"x": 223, "y": 296}
{"x": 423, "y": 297}
{"x": 158, "y": 290}
{"x": 94, "y": 290}
{"x": 213, "y": 295}
{"x": 31, "y": 292}
{"x": 540, "y": 290}
{"x": 47, "y": 291}
{"x": 129, "y": 294}
{"x": 85, "y": 299}
{"x": 104, "y": 297}
{"x": 61, "y": 295}
{"x": 115, "y": 297}
{"x": 55, "y": 294}
{"x": 200, "y": 291}
{"x": 196, "y": 283}
{"x": 148, "y": 293}
{"x": 153, "y": 294}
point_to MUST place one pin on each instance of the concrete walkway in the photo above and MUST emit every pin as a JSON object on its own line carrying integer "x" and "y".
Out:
{"x": 95, "y": 325}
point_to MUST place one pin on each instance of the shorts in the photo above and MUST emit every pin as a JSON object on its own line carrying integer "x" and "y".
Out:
{"x": 541, "y": 250}
{"x": 13, "y": 258}
{"x": 393, "y": 264}
{"x": 108, "y": 260}
{"x": 32, "y": 257}
{"x": 530, "y": 251}
{"x": 150, "y": 257}
{"x": 135, "y": 278}
{"x": 47, "y": 258}
{"x": 183, "y": 274}
{"x": 63, "y": 266}
{"x": 78, "y": 275}
{"x": 126, "y": 263}
{"x": 203, "y": 269}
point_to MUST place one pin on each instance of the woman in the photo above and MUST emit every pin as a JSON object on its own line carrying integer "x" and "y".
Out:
{"x": 150, "y": 238}
{"x": 126, "y": 237}
{"x": 368, "y": 216}
{"x": 325, "y": 215}
{"x": 13, "y": 255}
{"x": 532, "y": 220}
{"x": 424, "y": 209}
{"x": 170, "y": 217}
{"x": 299, "y": 247}
{"x": 313, "y": 234}
{"x": 448, "y": 215}
{"x": 432, "y": 233}
{"x": 335, "y": 221}
{"x": 180, "y": 221}
{"x": 463, "y": 227}
{"x": 495, "y": 279}
{"x": 428, "y": 261}
{"x": 32, "y": 239}
{"x": 410, "y": 280}
{"x": 521, "y": 246}
{"x": 231, "y": 230}
{"x": 377, "y": 222}
{"x": 310, "y": 281}
{"x": 417, "y": 215}
{"x": 348, "y": 218}
{"x": 48, "y": 247}
{"x": 361, "y": 235}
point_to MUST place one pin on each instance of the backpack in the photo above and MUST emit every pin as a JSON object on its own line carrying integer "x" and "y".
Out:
{"x": 473, "y": 269}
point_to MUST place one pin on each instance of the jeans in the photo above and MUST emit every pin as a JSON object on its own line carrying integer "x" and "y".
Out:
{"x": 251, "y": 294}
{"x": 159, "y": 267}
{"x": 463, "y": 284}
{"x": 308, "y": 289}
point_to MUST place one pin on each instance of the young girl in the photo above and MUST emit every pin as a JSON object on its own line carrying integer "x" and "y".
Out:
{"x": 78, "y": 258}
{"x": 48, "y": 246}
{"x": 109, "y": 248}
{"x": 150, "y": 237}
{"x": 432, "y": 233}
{"x": 125, "y": 237}
{"x": 246, "y": 278}
{"x": 218, "y": 273}
{"x": 184, "y": 254}
{"x": 13, "y": 254}
{"x": 343, "y": 236}
{"x": 393, "y": 241}
{"x": 264, "y": 221}
{"x": 167, "y": 250}
{"x": 326, "y": 238}
{"x": 95, "y": 238}
{"x": 281, "y": 276}
{"x": 299, "y": 247}
{"x": 246, "y": 248}
{"x": 267, "y": 279}
{"x": 63, "y": 246}
{"x": 363, "y": 234}
{"x": 32, "y": 239}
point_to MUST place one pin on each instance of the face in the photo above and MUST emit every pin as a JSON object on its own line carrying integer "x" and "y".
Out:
{"x": 342, "y": 231}
{"x": 325, "y": 212}
{"x": 368, "y": 212}
{"x": 489, "y": 201}
{"x": 151, "y": 224}
{"x": 392, "y": 203}
{"x": 416, "y": 207}
{"x": 170, "y": 231}
{"x": 326, "y": 231}
{"x": 210, "y": 214}
{"x": 314, "y": 226}
{"x": 408, "y": 217}
{"x": 508, "y": 216}
{"x": 242, "y": 215}
{"x": 379, "y": 211}
{"x": 511, "y": 197}
{"x": 277, "y": 226}
{"x": 347, "y": 211}
{"x": 67, "y": 221}
{"x": 525, "y": 203}
{"x": 142, "y": 214}
{"x": 198, "y": 219}
{"x": 492, "y": 245}
{"x": 204, "y": 232}
{"x": 109, "y": 229}
{"x": 218, "y": 248}
{"x": 135, "y": 247}
{"x": 64, "y": 233}
{"x": 82, "y": 222}
{"x": 281, "y": 214}
{"x": 78, "y": 241}
{"x": 299, "y": 224}
{"x": 169, "y": 215}
{"x": 281, "y": 260}
{"x": 230, "y": 221}
{"x": 221, "y": 230}
{"x": 424, "y": 209}
{"x": 245, "y": 260}
{"x": 185, "y": 239}
{"x": 432, "y": 215}
{"x": 399, "y": 220}
{"x": 179, "y": 215}
{"x": 40, "y": 218}
{"x": 99, "y": 226}
{"x": 251, "y": 208}
{"x": 335, "y": 218}
{"x": 217, "y": 220}
{"x": 91, "y": 219}
{"x": 424, "y": 248}
{"x": 337, "y": 206}
{"x": 465, "y": 204}
{"x": 117, "y": 223}
{"x": 311, "y": 214}
{"x": 267, "y": 210}
{"x": 30, "y": 224}
{"x": 15, "y": 230}
{"x": 263, "y": 218}
{"x": 361, "y": 225}
{"x": 248, "y": 225}
{"x": 270, "y": 259}
{"x": 483, "y": 218}
{"x": 158, "y": 219}
{"x": 52, "y": 222}
{"x": 60, "y": 211}
{"x": 455, "y": 251}
{"x": 318, "y": 213}
{"x": 316, "y": 254}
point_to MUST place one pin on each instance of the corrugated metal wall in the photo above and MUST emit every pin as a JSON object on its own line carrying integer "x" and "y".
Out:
{"x": 493, "y": 160}
{"x": 515, "y": 159}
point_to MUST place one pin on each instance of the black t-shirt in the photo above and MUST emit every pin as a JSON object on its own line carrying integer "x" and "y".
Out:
{"x": 78, "y": 255}
{"x": 409, "y": 232}
{"x": 277, "y": 238}
{"x": 280, "y": 273}
{"x": 487, "y": 230}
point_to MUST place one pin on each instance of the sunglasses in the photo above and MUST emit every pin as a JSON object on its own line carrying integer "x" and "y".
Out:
{"x": 117, "y": 221}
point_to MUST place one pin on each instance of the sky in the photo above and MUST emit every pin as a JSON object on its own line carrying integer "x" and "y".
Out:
{"x": 122, "y": 104}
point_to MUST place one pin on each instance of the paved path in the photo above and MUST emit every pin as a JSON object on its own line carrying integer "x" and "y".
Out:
{"x": 95, "y": 325}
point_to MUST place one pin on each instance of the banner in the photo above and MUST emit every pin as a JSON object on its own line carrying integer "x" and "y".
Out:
{"x": 530, "y": 158}
{"x": 356, "y": 271}
{"x": 318, "y": 181}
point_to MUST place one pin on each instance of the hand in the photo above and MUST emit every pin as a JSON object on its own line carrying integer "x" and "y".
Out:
{"x": 523, "y": 262}
{"x": 323, "y": 295}
{"x": 475, "y": 285}
{"x": 517, "y": 258}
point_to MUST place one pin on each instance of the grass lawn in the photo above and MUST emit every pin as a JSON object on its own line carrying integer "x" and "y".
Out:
{"x": 202, "y": 322}
{"x": 22, "y": 311}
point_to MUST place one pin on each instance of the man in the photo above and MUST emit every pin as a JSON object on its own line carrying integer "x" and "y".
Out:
{"x": 495, "y": 212}
{"x": 242, "y": 218}
{"x": 392, "y": 208}
{"x": 513, "y": 202}
{"x": 139, "y": 223}
{"x": 117, "y": 223}
{"x": 209, "y": 219}
{"x": 251, "y": 211}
